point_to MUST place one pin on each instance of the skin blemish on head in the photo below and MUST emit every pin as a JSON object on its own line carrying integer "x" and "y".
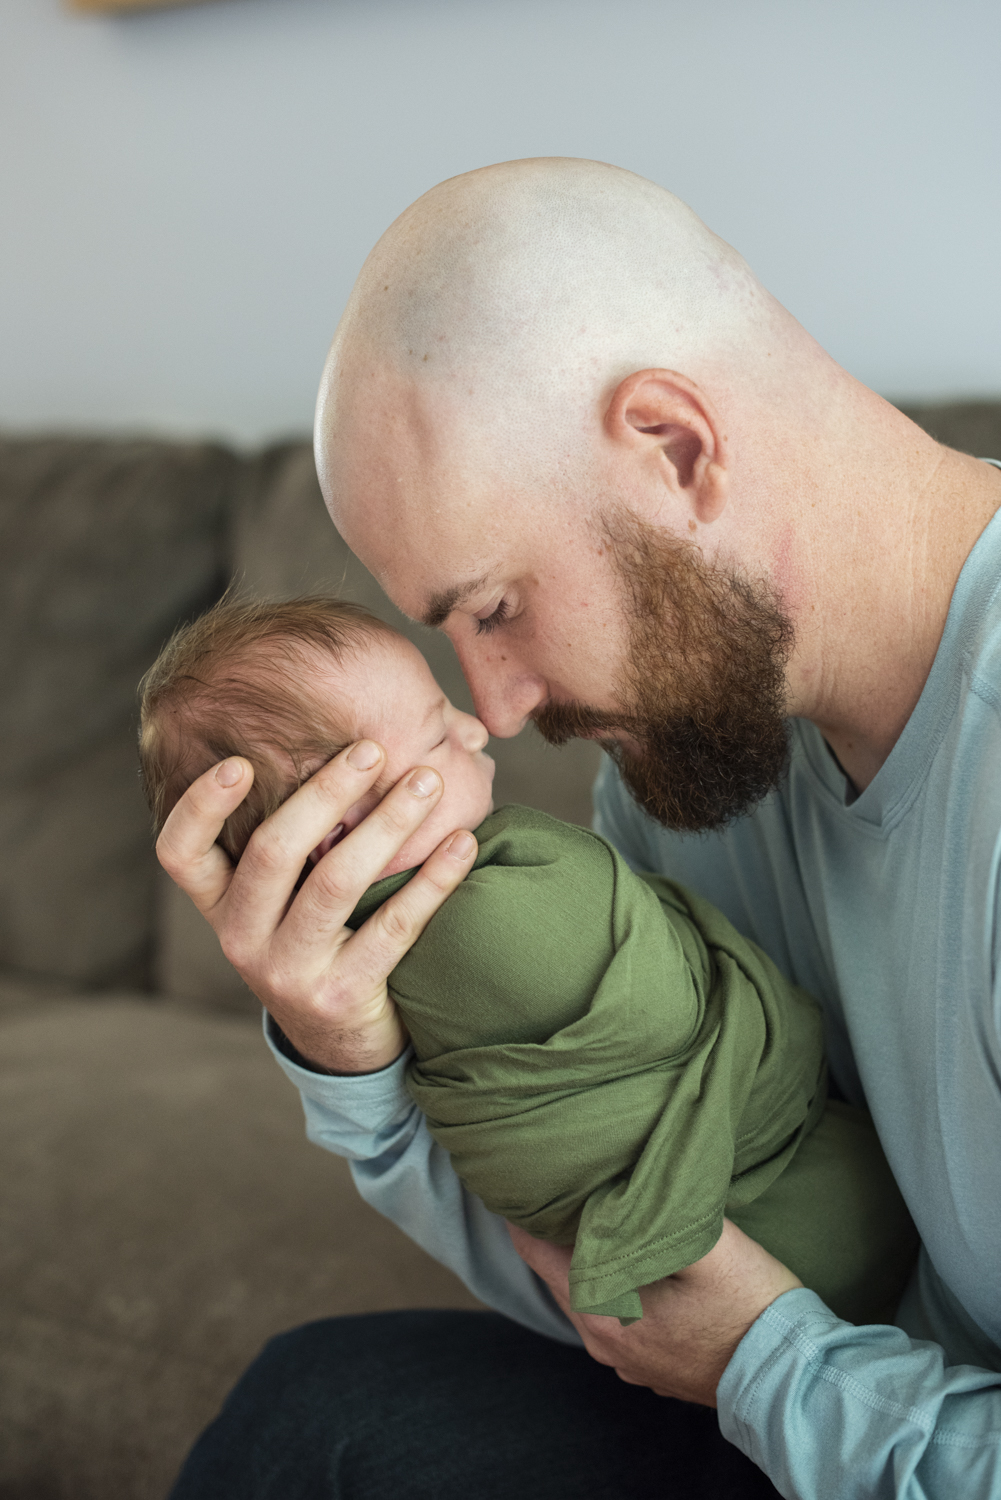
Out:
{"x": 692, "y": 526}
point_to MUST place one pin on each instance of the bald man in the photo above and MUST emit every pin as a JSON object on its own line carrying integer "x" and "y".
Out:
{"x": 563, "y": 422}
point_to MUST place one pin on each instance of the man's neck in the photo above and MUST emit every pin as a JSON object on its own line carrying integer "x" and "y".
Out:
{"x": 879, "y": 581}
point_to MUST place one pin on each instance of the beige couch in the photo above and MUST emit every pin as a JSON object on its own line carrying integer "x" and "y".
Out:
{"x": 161, "y": 1213}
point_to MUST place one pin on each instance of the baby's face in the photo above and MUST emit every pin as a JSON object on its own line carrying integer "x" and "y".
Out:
{"x": 404, "y": 710}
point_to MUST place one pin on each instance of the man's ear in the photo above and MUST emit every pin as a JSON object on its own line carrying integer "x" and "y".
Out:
{"x": 664, "y": 416}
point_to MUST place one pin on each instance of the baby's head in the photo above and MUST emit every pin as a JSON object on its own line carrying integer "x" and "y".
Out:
{"x": 288, "y": 686}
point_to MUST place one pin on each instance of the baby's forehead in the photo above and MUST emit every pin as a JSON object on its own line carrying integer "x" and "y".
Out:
{"x": 381, "y": 652}
{"x": 381, "y": 660}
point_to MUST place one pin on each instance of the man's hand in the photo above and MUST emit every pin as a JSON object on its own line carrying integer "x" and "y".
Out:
{"x": 692, "y": 1321}
{"x": 324, "y": 984}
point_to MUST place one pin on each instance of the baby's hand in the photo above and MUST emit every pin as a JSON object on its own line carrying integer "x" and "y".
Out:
{"x": 324, "y": 984}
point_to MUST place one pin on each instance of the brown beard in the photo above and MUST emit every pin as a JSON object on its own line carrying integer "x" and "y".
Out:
{"x": 704, "y": 690}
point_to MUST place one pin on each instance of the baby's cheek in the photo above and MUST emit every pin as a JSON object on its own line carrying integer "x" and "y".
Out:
{"x": 365, "y": 805}
{"x": 326, "y": 844}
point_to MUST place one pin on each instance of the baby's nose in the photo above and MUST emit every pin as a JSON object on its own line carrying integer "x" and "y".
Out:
{"x": 474, "y": 734}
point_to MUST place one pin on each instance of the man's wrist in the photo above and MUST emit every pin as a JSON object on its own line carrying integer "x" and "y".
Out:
{"x": 293, "y": 1054}
{"x": 372, "y": 1063}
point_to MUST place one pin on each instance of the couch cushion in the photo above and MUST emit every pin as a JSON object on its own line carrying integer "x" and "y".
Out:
{"x": 104, "y": 547}
{"x": 161, "y": 1217}
{"x": 188, "y": 963}
{"x": 971, "y": 426}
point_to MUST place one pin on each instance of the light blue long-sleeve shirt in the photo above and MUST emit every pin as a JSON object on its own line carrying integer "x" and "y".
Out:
{"x": 887, "y": 908}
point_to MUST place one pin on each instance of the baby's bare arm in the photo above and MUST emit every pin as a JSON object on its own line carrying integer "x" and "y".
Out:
{"x": 324, "y": 984}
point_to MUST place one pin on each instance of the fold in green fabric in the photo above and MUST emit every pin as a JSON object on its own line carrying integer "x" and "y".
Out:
{"x": 611, "y": 1065}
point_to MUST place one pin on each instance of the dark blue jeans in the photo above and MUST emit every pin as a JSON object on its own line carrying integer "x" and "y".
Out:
{"x": 453, "y": 1406}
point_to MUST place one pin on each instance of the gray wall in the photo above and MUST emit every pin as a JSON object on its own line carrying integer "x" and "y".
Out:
{"x": 186, "y": 196}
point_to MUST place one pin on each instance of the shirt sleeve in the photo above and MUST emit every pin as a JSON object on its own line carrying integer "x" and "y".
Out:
{"x": 807, "y": 1396}
{"x": 401, "y": 1171}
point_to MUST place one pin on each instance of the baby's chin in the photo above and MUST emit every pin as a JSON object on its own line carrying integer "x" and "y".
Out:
{"x": 484, "y": 809}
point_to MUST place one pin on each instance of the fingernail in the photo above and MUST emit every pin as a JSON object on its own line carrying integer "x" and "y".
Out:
{"x": 229, "y": 773}
{"x": 424, "y": 783}
{"x": 365, "y": 755}
{"x": 461, "y": 845}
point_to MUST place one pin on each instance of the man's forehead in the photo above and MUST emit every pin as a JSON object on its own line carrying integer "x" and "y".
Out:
{"x": 427, "y": 587}
{"x": 386, "y": 430}
{"x": 428, "y": 552}
{"x": 433, "y": 521}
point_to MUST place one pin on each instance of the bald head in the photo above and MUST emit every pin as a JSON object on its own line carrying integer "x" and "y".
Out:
{"x": 512, "y": 301}
{"x": 537, "y": 344}
{"x": 545, "y": 355}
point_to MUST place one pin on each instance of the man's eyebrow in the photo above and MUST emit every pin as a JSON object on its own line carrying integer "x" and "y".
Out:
{"x": 440, "y": 605}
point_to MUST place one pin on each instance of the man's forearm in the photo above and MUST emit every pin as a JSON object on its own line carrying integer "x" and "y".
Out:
{"x": 400, "y": 1170}
{"x": 826, "y": 1409}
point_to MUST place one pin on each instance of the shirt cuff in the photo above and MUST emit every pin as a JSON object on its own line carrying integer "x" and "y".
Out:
{"x": 765, "y": 1343}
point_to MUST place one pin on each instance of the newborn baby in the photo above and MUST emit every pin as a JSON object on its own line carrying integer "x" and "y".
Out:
{"x": 608, "y": 1062}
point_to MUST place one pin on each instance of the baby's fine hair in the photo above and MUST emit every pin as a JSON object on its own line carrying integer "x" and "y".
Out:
{"x": 236, "y": 681}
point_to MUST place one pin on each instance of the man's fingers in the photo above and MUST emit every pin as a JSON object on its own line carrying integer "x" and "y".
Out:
{"x": 279, "y": 848}
{"x": 377, "y": 947}
{"x": 338, "y": 881}
{"x": 399, "y": 922}
{"x": 187, "y": 847}
{"x": 550, "y": 1262}
{"x": 325, "y": 985}
{"x": 349, "y": 1001}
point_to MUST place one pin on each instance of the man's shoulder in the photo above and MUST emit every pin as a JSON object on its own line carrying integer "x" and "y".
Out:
{"x": 975, "y": 615}
{"x": 983, "y": 656}
{"x": 975, "y": 748}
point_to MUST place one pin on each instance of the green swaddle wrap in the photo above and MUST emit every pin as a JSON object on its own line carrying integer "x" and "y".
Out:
{"x": 610, "y": 1064}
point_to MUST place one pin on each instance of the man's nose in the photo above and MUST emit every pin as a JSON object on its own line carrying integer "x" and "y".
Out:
{"x": 503, "y": 693}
